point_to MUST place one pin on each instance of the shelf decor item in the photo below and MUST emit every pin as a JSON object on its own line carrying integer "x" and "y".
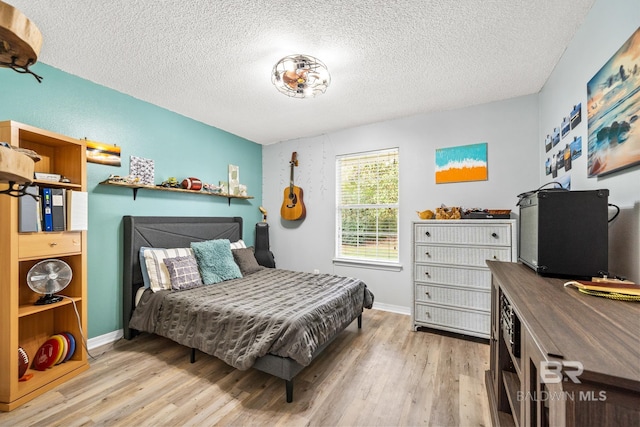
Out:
{"x": 234, "y": 180}
{"x": 224, "y": 187}
{"x": 142, "y": 169}
{"x": 23, "y": 362}
{"x": 16, "y": 169}
{"x": 193, "y": 184}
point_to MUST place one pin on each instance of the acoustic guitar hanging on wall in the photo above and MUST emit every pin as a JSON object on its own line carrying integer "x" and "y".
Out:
{"x": 292, "y": 206}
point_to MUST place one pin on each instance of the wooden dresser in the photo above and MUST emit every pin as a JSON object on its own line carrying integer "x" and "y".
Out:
{"x": 560, "y": 357}
{"x": 451, "y": 280}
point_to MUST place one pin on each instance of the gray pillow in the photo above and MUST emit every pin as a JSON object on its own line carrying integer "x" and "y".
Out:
{"x": 246, "y": 260}
{"x": 183, "y": 273}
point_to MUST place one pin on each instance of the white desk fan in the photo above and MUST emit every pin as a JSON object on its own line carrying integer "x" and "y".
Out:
{"x": 48, "y": 277}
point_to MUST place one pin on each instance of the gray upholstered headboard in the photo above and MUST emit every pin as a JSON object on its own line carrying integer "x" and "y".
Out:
{"x": 165, "y": 232}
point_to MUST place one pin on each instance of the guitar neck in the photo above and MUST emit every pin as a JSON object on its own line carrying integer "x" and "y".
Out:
{"x": 293, "y": 163}
{"x": 291, "y": 177}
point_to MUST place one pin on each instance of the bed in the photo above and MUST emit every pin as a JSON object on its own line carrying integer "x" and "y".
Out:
{"x": 276, "y": 321}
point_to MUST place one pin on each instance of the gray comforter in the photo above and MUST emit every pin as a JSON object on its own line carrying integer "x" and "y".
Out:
{"x": 274, "y": 311}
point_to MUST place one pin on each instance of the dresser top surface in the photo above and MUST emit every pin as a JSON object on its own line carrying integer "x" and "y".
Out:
{"x": 464, "y": 221}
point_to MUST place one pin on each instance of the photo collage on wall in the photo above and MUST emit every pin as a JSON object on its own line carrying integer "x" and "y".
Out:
{"x": 561, "y": 149}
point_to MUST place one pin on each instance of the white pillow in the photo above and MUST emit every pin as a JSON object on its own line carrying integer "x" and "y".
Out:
{"x": 238, "y": 245}
{"x": 159, "y": 277}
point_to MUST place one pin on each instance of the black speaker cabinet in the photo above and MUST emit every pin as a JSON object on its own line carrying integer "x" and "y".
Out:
{"x": 565, "y": 233}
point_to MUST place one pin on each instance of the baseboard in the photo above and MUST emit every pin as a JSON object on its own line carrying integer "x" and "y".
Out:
{"x": 392, "y": 308}
{"x": 104, "y": 339}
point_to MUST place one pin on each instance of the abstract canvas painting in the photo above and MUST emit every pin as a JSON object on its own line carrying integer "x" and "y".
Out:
{"x": 613, "y": 106}
{"x": 462, "y": 163}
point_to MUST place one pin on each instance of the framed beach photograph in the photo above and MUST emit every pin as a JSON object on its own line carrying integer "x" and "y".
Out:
{"x": 104, "y": 154}
{"x": 613, "y": 99}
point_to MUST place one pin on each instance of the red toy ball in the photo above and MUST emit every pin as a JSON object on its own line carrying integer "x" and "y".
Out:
{"x": 192, "y": 184}
{"x": 23, "y": 362}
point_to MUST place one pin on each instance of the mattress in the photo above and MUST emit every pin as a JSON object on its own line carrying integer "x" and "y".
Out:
{"x": 273, "y": 311}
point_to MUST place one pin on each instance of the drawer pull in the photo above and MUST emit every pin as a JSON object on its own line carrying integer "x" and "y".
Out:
{"x": 494, "y": 235}
{"x": 426, "y": 273}
{"x": 428, "y": 294}
{"x": 428, "y": 314}
{"x": 428, "y": 254}
{"x": 52, "y": 244}
{"x": 427, "y": 234}
{"x": 495, "y": 257}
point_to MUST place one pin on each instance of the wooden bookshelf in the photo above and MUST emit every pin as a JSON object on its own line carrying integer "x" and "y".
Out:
{"x": 21, "y": 322}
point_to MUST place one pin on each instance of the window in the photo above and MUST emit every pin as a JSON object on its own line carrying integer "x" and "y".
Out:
{"x": 367, "y": 207}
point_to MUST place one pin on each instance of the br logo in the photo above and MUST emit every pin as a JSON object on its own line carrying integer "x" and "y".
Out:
{"x": 555, "y": 372}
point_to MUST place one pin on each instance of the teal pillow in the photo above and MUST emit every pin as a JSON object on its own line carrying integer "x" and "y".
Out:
{"x": 215, "y": 261}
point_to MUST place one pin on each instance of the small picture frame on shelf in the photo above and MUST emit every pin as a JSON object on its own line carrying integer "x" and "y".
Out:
{"x": 143, "y": 169}
{"x": 234, "y": 180}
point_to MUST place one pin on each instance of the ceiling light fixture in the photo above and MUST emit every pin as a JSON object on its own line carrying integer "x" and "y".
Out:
{"x": 300, "y": 76}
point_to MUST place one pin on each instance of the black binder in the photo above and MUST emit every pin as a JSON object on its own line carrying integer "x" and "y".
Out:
{"x": 58, "y": 211}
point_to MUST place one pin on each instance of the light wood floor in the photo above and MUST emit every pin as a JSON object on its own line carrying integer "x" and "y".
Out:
{"x": 381, "y": 375}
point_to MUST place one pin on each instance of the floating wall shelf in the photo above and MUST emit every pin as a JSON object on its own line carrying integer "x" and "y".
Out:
{"x": 136, "y": 187}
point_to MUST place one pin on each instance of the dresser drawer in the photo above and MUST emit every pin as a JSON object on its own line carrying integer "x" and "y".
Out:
{"x": 456, "y": 255}
{"x": 468, "y": 298}
{"x": 40, "y": 245}
{"x": 471, "y": 234}
{"x": 452, "y": 318}
{"x": 466, "y": 277}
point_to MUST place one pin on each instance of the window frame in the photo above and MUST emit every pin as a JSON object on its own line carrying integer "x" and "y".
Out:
{"x": 375, "y": 263}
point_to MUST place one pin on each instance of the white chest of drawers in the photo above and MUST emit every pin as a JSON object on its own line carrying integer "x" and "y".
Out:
{"x": 451, "y": 280}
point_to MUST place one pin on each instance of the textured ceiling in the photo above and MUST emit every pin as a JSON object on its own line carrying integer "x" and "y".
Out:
{"x": 212, "y": 60}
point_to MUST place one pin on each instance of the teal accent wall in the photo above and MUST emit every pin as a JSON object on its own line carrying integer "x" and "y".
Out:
{"x": 179, "y": 146}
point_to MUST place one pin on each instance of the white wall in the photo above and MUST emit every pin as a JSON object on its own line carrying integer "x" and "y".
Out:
{"x": 509, "y": 127}
{"x": 608, "y": 25}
